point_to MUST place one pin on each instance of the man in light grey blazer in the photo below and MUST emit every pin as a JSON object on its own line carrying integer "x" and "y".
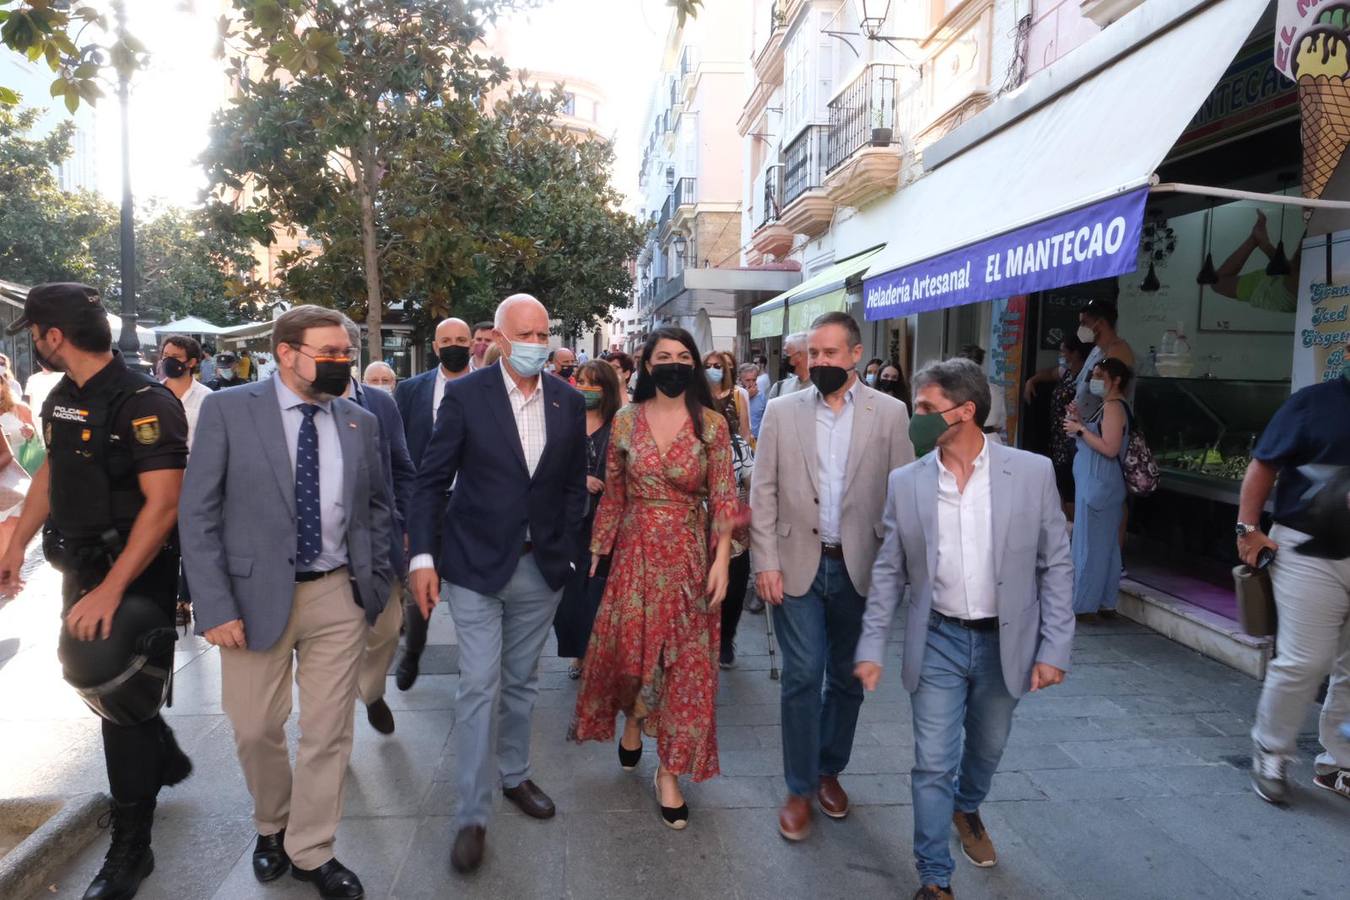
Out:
{"x": 976, "y": 533}
{"x": 285, "y": 519}
{"x": 816, "y": 498}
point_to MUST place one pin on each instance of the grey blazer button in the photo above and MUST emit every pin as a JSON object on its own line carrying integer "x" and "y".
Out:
{"x": 815, "y": 531}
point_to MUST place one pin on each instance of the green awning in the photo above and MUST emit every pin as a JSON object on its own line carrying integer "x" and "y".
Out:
{"x": 821, "y": 293}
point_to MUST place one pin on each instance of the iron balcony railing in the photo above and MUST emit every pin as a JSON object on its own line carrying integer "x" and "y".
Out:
{"x": 804, "y": 162}
{"x": 865, "y": 113}
{"x": 682, "y": 194}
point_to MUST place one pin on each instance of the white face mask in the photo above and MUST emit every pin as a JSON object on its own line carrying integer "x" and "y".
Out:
{"x": 1085, "y": 335}
{"x": 387, "y": 388}
{"x": 1097, "y": 387}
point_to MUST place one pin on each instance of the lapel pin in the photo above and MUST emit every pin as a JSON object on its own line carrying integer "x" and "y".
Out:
{"x": 555, "y": 403}
{"x": 351, "y": 425}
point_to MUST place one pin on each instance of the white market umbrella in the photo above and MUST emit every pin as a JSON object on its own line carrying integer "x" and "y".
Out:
{"x": 189, "y": 325}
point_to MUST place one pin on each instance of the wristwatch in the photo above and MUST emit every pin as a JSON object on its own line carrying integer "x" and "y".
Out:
{"x": 1242, "y": 529}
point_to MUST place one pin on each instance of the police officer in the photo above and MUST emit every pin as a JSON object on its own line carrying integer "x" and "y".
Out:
{"x": 226, "y": 375}
{"x": 108, "y": 495}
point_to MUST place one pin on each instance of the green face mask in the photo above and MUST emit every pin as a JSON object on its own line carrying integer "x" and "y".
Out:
{"x": 925, "y": 429}
{"x": 591, "y": 396}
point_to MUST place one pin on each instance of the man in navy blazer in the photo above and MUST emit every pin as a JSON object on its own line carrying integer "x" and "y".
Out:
{"x": 516, "y": 442}
{"x": 418, "y": 399}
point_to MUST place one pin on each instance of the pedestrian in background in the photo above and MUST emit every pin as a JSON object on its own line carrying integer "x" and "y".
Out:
{"x": 1097, "y": 329}
{"x": 1099, "y": 490}
{"x": 796, "y": 375}
{"x": 872, "y": 372}
{"x": 179, "y": 357}
{"x": 975, "y": 533}
{"x": 729, "y": 398}
{"x": 515, "y": 439}
{"x": 623, "y": 364}
{"x": 399, "y": 475}
{"x": 286, "y": 523}
{"x": 732, "y": 401}
{"x": 1312, "y": 588}
{"x": 665, "y": 520}
{"x": 380, "y": 376}
{"x": 419, "y": 402}
{"x": 38, "y": 386}
{"x": 756, "y": 400}
{"x": 816, "y": 502}
{"x": 599, "y": 386}
{"x": 1073, "y": 355}
{"x": 16, "y": 424}
{"x": 480, "y": 344}
{"x": 227, "y": 375}
{"x": 891, "y": 381}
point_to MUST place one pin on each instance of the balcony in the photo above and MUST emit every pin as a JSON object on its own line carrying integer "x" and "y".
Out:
{"x": 688, "y": 73}
{"x": 865, "y": 155}
{"x": 769, "y": 60}
{"x": 679, "y": 204}
{"x": 806, "y": 208}
{"x": 771, "y": 237}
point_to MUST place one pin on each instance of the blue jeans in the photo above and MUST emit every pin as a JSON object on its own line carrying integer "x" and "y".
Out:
{"x": 960, "y": 686}
{"x": 818, "y": 633}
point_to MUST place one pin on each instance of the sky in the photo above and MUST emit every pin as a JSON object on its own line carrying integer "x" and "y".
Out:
{"x": 613, "y": 43}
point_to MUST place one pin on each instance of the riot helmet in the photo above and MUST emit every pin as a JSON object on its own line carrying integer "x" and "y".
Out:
{"x": 124, "y": 677}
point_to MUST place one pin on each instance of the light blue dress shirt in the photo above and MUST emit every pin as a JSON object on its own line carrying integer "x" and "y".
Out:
{"x": 834, "y": 432}
{"x": 331, "y": 511}
{"x": 757, "y": 405}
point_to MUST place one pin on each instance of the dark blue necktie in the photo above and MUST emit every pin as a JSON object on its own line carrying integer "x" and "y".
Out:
{"x": 309, "y": 537}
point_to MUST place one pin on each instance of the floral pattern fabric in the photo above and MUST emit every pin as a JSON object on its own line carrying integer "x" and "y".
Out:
{"x": 653, "y": 651}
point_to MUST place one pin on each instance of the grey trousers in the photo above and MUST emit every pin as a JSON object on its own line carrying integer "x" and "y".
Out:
{"x": 1313, "y": 600}
{"x": 500, "y": 639}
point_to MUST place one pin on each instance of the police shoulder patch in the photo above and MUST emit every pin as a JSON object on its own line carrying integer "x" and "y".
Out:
{"x": 146, "y": 430}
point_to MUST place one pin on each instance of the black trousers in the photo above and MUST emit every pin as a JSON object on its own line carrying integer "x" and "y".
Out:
{"x": 738, "y": 580}
{"x": 135, "y": 754}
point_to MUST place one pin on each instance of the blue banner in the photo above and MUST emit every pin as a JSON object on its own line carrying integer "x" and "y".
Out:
{"x": 1096, "y": 241}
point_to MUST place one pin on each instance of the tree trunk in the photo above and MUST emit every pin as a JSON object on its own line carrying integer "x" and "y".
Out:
{"x": 365, "y": 190}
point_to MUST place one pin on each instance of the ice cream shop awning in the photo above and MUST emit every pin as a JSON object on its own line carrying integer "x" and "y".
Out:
{"x": 1047, "y": 187}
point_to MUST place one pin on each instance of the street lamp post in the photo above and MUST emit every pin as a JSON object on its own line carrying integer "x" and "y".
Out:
{"x": 127, "y": 342}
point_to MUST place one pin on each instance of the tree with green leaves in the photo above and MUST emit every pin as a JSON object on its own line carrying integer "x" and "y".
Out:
{"x": 58, "y": 34}
{"x": 184, "y": 265}
{"x": 365, "y": 124}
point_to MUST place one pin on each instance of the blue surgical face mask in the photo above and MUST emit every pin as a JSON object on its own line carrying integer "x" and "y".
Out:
{"x": 528, "y": 359}
{"x": 1063, "y": 363}
{"x": 1097, "y": 387}
{"x": 871, "y": 379}
{"x": 714, "y": 375}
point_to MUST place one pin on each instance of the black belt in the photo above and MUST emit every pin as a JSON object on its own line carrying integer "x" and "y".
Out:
{"x": 989, "y": 624}
{"x": 302, "y": 577}
{"x": 832, "y": 551}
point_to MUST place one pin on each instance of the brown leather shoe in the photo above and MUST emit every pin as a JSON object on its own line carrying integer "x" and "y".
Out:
{"x": 975, "y": 842}
{"x": 934, "y": 892}
{"x": 833, "y": 799}
{"x": 794, "y": 819}
{"x": 467, "y": 854}
{"x": 530, "y": 800}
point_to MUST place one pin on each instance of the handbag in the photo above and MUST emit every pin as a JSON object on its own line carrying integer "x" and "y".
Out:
{"x": 1138, "y": 465}
{"x": 1255, "y": 600}
{"x": 32, "y": 454}
{"x": 742, "y": 461}
{"x": 14, "y": 483}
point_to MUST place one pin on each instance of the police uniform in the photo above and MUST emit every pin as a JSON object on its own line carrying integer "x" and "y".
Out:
{"x": 100, "y": 438}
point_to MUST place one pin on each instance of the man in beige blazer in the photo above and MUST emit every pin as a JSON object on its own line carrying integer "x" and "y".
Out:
{"x": 817, "y": 496}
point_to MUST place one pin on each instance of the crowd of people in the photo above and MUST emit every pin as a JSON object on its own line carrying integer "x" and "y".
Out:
{"x": 628, "y": 506}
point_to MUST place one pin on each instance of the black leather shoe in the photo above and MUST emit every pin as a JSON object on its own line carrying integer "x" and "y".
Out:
{"x": 467, "y": 854}
{"x": 129, "y": 860}
{"x": 270, "y": 861}
{"x": 408, "y": 667}
{"x": 530, "y": 800}
{"x": 334, "y": 881}
{"x": 380, "y": 717}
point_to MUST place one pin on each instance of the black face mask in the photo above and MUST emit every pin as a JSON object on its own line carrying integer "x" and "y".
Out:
{"x": 331, "y": 376}
{"x": 672, "y": 378}
{"x": 173, "y": 368}
{"x": 565, "y": 372}
{"x": 453, "y": 358}
{"x": 828, "y": 379}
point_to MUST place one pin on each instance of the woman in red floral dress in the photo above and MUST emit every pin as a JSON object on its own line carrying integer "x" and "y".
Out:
{"x": 669, "y": 495}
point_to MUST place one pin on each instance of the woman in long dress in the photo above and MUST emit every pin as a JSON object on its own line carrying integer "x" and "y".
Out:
{"x": 1099, "y": 489}
{"x": 599, "y": 384}
{"x": 665, "y": 520}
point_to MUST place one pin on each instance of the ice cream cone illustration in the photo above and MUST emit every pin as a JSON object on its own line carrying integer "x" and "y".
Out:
{"x": 1321, "y": 64}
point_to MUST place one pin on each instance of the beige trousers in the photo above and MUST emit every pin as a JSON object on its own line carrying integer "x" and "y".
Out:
{"x": 380, "y": 647}
{"x": 325, "y": 635}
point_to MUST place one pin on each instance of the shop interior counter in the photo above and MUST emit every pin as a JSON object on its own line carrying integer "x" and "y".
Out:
{"x": 1202, "y": 430}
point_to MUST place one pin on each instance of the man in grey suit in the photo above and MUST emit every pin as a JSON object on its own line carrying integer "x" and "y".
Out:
{"x": 286, "y": 522}
{"x": 975, "y": 531}
{"x": 816, "y": 495}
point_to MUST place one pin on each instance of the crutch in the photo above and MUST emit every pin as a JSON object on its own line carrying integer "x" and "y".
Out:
{"x": 773, "y": 654}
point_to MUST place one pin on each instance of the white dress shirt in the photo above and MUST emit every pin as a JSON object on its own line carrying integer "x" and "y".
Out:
{"x": 192, "y": 405}
{"x": 438, "y": 391}
{"x": 834, "y": 432}
{"x": 530, "y": 426}
{"x": 963, "y": 585}
{"x": 331, "y": 512}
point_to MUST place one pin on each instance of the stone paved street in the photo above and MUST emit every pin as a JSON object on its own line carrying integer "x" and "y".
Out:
{"x": 1127, "y": 781}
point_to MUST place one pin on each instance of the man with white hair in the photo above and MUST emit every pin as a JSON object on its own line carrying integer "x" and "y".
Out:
{"x": 380, "y": 376}
{"x": 795, "y": 365}
{"x": 517, "y": 443}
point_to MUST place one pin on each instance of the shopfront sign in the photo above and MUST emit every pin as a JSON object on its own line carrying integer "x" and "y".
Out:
{"x": 1312, "y": 47}
{"x": 1322, "y": 332}
{"x": 1251, "y": 95}
{"x": 1097, "y": 241}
